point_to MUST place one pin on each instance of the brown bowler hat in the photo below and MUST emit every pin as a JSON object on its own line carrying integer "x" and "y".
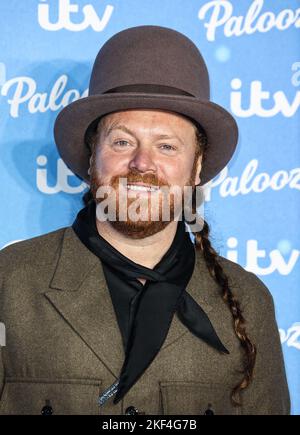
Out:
{"x": 149, "y": 67}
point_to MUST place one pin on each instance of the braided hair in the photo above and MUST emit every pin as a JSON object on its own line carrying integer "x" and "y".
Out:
{"x": 215, "y": 269}
{"x": 210, "y": 255}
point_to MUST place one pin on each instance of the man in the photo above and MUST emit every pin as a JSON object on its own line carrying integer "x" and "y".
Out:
{"x": 123, "y": 313}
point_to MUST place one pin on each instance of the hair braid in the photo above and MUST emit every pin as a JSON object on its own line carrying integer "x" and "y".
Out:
{"x": 203, "y": 243}
{"x": 215, "y": 269}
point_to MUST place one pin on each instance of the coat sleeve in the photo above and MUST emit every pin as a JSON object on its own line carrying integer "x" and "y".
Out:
{"x": 268, "y": 394}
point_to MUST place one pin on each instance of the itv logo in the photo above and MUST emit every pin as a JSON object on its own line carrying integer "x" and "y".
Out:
{"x": 64, "y": 21}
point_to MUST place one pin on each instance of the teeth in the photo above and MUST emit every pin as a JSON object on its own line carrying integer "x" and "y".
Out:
{"x": 141, "y": 188}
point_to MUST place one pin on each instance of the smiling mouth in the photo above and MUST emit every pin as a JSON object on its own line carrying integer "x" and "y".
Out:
{"x": 141, "y": 188}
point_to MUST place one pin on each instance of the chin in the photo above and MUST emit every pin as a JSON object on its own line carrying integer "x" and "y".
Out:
{"x": 139, "y": 229}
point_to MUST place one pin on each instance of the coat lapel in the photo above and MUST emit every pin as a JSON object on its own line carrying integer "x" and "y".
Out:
{"x": 79, "y": 293}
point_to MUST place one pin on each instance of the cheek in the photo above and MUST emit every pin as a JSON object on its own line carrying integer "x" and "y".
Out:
{"x": 176, "y": 172}
{"x": 108, "y": 164}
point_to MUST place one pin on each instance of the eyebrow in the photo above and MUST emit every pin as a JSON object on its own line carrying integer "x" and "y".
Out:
{"x": 127, "y": 130}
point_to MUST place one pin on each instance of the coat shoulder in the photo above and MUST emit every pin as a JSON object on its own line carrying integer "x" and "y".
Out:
{"x": 37, "y": 251}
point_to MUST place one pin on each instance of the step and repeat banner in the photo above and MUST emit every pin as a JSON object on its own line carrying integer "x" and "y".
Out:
{"x": 252, "y": 50}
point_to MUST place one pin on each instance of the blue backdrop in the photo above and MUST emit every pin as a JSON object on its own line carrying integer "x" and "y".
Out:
{"x": 252, "y": 50}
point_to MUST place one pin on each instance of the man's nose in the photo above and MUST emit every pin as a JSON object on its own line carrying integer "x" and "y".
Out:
{"x": 142, "y": 160}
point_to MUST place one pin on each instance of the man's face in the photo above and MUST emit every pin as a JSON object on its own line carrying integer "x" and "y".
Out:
{"x": 153, "y": 148}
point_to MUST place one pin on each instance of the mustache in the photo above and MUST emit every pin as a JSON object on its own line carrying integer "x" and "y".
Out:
{"x": 134, "y": 177}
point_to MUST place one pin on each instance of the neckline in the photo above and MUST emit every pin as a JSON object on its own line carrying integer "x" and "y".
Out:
{"x": 167, "y": 258}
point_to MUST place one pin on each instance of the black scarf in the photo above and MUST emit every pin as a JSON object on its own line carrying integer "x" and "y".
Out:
{"x": 145, "y": 312}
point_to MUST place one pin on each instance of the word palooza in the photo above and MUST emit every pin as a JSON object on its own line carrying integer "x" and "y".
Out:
{"x": 255, "y": 21}
{"x": 24, "y": 90}
{"x": 138, "y": 209}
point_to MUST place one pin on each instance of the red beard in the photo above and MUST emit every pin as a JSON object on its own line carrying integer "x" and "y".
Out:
{"x": 139, "y": 228}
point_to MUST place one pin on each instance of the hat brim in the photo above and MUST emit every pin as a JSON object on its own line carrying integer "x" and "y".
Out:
{"x": 72, "y": 122}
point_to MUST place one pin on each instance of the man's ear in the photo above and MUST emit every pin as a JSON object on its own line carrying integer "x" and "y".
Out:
{"x": 198, "y": 170}
{"x": 90, "y": 162}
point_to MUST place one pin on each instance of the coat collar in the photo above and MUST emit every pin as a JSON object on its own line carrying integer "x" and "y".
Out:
{"x": 79, "y": 292}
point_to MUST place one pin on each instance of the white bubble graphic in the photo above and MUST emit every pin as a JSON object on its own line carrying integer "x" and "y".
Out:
{"x": 222, "y": 54}
{"x": 284, "y": 246}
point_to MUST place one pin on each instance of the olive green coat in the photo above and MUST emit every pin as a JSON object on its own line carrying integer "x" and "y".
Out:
{"x": 63, "y": 344}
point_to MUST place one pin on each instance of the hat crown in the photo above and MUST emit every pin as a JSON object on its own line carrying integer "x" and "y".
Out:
{"x": 147, "y": 67}
{"x": 150, "y": 56}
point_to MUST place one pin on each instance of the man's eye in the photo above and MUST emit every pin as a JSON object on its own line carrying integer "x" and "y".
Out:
{"x": 168, "y": 147}
{"x": 121, "y": 143}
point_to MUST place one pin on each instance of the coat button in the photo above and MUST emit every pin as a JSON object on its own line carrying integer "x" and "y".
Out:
{"x": 47, "y": 409}
{"x": 209, "y": 410}
{"x": 131, "y": 410}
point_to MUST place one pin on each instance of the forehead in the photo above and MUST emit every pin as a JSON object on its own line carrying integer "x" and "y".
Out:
{"x": 148, "y": 118}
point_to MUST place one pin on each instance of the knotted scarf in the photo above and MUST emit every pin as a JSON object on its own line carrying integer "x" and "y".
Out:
{"x": 144, "y": 312}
